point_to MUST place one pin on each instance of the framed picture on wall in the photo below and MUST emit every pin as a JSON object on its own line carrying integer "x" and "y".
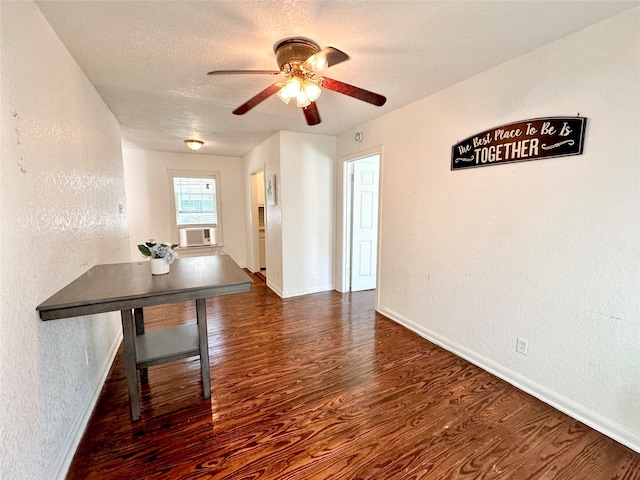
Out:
{"x": 270, "y": 190}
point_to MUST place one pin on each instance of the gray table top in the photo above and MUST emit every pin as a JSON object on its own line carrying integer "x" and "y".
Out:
{"x": 118, "y": 286}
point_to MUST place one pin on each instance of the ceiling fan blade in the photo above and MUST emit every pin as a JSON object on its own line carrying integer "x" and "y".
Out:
{"x": 311, "y": 114}
{"x": 355, "y": 92}
{"x": 325, "y": 58}
{"x": 242, "y": 72}
{"x": 259, "y": 98}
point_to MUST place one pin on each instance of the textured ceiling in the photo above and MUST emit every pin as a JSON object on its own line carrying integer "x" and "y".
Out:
{"x": 148, "y": 59}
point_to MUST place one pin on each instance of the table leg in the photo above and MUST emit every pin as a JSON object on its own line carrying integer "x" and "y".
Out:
{"x": 201, "y": 315}
{"x": 128, "y": 333}
{"x": 139, "y": 318}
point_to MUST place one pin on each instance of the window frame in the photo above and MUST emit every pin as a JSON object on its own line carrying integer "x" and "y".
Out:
{"x": 210, "y": 174}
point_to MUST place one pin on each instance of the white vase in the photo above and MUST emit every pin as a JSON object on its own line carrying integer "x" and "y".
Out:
{"x": 159, "y": 266}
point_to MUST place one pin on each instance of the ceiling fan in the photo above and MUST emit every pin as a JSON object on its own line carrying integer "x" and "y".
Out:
{"x": 300, "y": 59}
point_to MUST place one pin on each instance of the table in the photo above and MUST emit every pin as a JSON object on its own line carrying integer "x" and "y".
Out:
{"x": 129, "y": 287}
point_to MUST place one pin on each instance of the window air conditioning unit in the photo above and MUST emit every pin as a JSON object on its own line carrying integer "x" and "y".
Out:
{"x": 196, "y": 237}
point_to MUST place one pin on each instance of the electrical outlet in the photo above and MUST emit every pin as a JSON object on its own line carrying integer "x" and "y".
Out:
{"x": 87, "y": 356}
{"x": 522, "y": 346}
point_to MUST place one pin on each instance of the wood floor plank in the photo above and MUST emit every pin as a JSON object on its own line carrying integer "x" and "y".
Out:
{"x": 323, "y": 387}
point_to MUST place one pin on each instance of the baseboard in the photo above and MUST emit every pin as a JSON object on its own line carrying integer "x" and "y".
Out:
{"x": 276, "y": 290}
{"x": 558, "y": 401}
{"x": 298, "y": 293}
{"x": 307, "y": 291}
{"x": 62, "y": 468}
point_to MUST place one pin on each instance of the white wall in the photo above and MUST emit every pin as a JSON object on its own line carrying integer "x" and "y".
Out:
{"x": 547, "y": 250}
{"x": 300, "y": 228}
{"x": 62, "y": 183}
{"x": 308, "y": 209}
{"x": 149, "y": 197}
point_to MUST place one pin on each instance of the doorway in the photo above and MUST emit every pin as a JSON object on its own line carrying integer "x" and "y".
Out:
{"x": 362, "y": 185}
{"x": 258, "y": 225}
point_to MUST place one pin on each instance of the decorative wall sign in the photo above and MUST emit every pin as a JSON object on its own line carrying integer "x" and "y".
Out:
{"x": 270, "y": 190}
{"x": 520, "y": 142}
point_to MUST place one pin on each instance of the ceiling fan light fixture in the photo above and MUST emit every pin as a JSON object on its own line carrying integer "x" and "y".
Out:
{"x": 302, "y": 101}
{"x": 305, "y": 91}
{"x": 283, "y": 96}
{"x": 290, "y": 89}
{"x": 194, "y": 144}
{"x": 311, "y": 90}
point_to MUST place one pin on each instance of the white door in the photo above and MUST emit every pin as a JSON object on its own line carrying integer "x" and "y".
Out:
{"x": 364, "y": 223}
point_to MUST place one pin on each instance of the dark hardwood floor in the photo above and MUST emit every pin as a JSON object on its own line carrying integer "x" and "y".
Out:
{"x": 322, "y": 387}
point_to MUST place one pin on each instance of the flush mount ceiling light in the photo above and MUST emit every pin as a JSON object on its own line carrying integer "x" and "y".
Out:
{"x": 194, "y": 144}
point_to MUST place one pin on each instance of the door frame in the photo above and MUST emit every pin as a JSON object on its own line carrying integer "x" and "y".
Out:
{"x": 345, "y": 260}
{"x": 254, "y": 264}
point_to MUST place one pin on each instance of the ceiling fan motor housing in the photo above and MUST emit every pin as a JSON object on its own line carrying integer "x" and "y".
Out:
{"x": 294, "y": 51}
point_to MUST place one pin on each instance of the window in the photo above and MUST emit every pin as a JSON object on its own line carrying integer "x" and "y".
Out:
{"x": 196, "y": 198}
{"x": 195, "y": 201}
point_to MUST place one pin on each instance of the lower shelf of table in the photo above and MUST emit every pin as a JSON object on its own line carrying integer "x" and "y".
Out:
{"x": 167, "y": 345}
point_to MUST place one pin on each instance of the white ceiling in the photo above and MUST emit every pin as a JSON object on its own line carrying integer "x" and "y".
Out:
{"x": 148, "y": 59}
